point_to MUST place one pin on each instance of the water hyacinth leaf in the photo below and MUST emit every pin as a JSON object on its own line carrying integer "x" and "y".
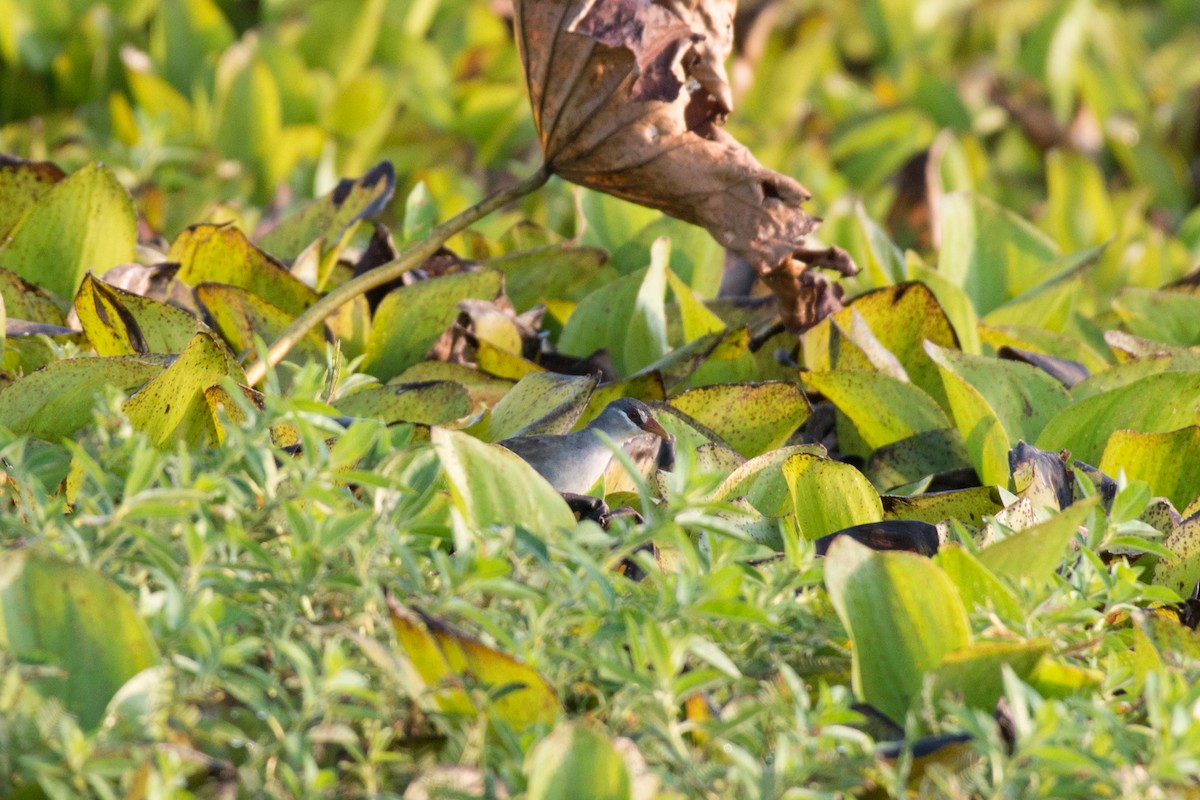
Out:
{"x": 902, "y": 318}
{"x": 450, "y": 662}
{"x": 1040, "y": 340}
{"x": 541, "y": 402}
{"x": 613, "y": 105}
{"x": 995, "y": 404}
{"x": 84, "y": 222}
{"x": 762, "y": 482}
{"x": 23, "y": 300}
{"x": 1154, "y": 404}
{"x": 485, "y": 390}
{"x": 576, "y": 762}
{"x": 829, "y": 495}
{"x": 119, "y": 323}
{"x": 411, "y": 318}
{"x": 697, "y": 319}
{"x": 57, "y": 400}
{"x": 688, "y": 433}
{"x": 240, "y": 315}
{"x": 978, "y": 587}
{"x": 1169, "y": 462}
{"x": 74, "y": 619}
{"x": 883, "y": 409}
{"x": 1181, "y": 573}
{"x": 176, "y": 405}
{"x": 22, "y": 183}
{"x": 429, "y": 403}
{"x": 550, "y": 273}
{"x": 489, "y": 484}
{"x": 972, "y": 675}
{"x": 968, "y": 506}
{"x": 751, "y": 418}
{"x": 1123, "y": 374}
{"x": 925, "y": 455}
{"x": 1170, "y": 317}
{"x": 683, "y": 362}
{"x": 223, "y": 254}
{"x": 628, "y": 316}
{"x": 333, "y": 215}
{"x": 995, "y": 267}
{"x": 1036, "y": 552}
{"x": 903, "y": 615}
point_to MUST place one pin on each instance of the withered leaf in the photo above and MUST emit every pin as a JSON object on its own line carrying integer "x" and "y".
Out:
{"x": 629, "y": 97}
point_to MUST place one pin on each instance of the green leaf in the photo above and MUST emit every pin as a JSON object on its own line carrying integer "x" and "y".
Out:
{"x": 180, "y": 403}
{"x": 751, "y": 418}
{"x": 1169, "y": 462}
{"x": 541, "y": 402}
{"x": 489, "y": 486}
{"x": 990, "y": 252}
{"x": 628, "y": 317}
{"x": 84, "y": 222}
{"x": 1153, "y": 404}
{"x": 185, "y": 35}
{"x": 428, "y": 403}
{"x": 420, "y": 213}
{"x": 1181, "y": 573}
{"x": 973, "y": 676}
{"x": 968, "y": 506}
{"x": 576, "y": 762}
{"x": 996, "y": 403}
{"x": 555, "y": 272}
{"x": 762, "y": 482}
{"x": 902, "y": 318}
{"x": 332, "y": 215}
{"x": 828, "y": 496}
{"x": 119, "y": 323}
{"x": 918, "y": 457}
{"x": 23, "y": 300}
{"x": 1036, "y": 552}
{"x": 697, "y": 319}
{"x": 1170, "y": 317}
{"x": 977, "y": 586}
{"x": 411, "y": 318}
{"x": 903, "y": 614}
{"x": 75, "y": 619}
{"x": 883, "y": 409}
{"x": 223, "y": 254}
{"x": 22, "y": 183}
{"x": 58, "y": 399}
{"x": 240, "y": 315}
{"x": 446, "y": 659}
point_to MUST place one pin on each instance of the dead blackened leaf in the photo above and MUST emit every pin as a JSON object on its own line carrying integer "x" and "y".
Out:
{"x": 629, "y": 97}
{"x": 912, "y": 535}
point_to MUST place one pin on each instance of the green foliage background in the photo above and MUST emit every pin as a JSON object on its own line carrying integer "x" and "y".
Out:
{"x": 1062, "y": 142}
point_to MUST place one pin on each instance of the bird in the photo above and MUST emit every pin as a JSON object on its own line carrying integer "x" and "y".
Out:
{"x": 574, "y": 462}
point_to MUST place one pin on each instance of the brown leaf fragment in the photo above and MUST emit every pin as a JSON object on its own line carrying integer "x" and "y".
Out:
{"x": 629, "y": 97}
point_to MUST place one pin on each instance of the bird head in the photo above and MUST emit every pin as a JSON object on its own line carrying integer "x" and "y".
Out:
{"x": 626, "y": 418}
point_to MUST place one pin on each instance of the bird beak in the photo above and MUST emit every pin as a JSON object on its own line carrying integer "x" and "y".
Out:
{"x": 652, "y": 426}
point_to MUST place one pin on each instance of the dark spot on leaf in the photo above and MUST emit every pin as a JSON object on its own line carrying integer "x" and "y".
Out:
{"x": 167, "y": 410}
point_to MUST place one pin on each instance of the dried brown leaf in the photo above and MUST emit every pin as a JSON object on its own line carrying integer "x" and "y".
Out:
{"x": 629, "y": 97}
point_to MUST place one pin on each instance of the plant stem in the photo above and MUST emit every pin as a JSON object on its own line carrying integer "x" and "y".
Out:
{"x": 410, "y": 258}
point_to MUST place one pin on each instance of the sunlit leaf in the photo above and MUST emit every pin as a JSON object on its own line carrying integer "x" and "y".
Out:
{"x": 451, "y": 663}
{"x": 751, "y": 418}
{"x": 904, "y": 615}
{"x": 829, "y": 495}
{"x": 490, "y": 485}
{"x": 84, "y": 222}
{"x": 74, "y": 619}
